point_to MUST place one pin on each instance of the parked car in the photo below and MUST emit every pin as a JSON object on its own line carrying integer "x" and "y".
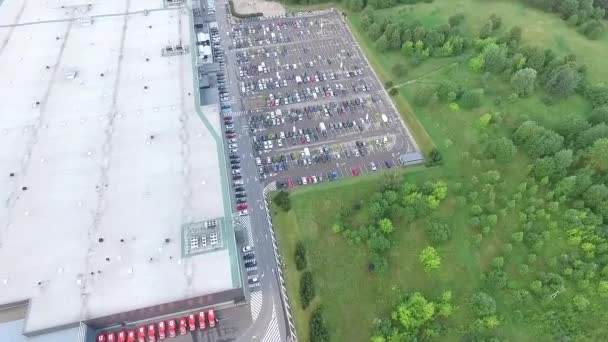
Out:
{"x": 253, "y": 280}
{"x": 211, "y": 318}
{"x": 121, "y": 336}
{"x": 131, "y": 336}
{"x": 162, "y": 330}
{"x": 151, "y": 333}
{"x": 355, "y": 171}
{"x": 248, "y": 256}
{"x": 239, "y": 188}
{"x": 171, "y": 328}
{"x": 201, "y": 320}
{"x": 247, "y": 248}
{"x": 388, "y": 164}
{"x": 236, "y": 166}
{"x": 241, "y": 194}
{"x": 192, "y": 322}
{"x": 141, "y": 334}
{"x": 242, "y": 206}
{"x": 183, "y": 329}
{"x": 241, "y": 200}
{"x": 251, "y": 263}
{"x": 373, "y": 166}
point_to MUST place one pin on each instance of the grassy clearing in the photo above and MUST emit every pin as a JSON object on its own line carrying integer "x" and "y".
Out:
{"x": 353, "y": 297}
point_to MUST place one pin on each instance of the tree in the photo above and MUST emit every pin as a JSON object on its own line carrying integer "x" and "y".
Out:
{"x": 399, "y": 70}
{"x": 300, "y": 256}
{"x": 572, "y": 125}
{"x": 439, "y": 232}
{"x": 515, "y": 35}
{"x": 430, "y": 259}
{"x": 355, "y": 5}
{"x": 589, "y": 136}
{"x": 375, "y": 31}
{"x": 318, "y": 330}
{"x": 580, "y": 302}
{"x": 471, "y": 98}
{"x": 386, "y": 226}
{"x": 523, "y": 82}
{"x": 599, "y": 115}
{"x": 456, "y": 19}
{"x": 414, "y": 312}
{"x": 483, "y": 304}
{"x": 382, "y": 43}
{"x": 307, "y": 289}
{"x": 502, "y": 149}
{"x": 434, "y": 158}
{"x": 537, "y": 140}
{"x": 282, "y": 200}
{"x": 562, "y": 81}
{"x": 598, "y": 157}
{"x": 495, "y": 57}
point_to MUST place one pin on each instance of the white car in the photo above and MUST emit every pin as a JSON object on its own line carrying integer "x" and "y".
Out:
{"x": 243, "y": 212}
{"x": 258, "y": 161}
{"x": 304, "y": 181}
{"x": 373, "y": 166}
{"x": 233, "y": 146}
{"x": 247, "y": 248}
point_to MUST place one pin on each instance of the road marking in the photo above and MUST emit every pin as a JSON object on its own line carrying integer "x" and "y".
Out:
{"x": 256, "y": 304}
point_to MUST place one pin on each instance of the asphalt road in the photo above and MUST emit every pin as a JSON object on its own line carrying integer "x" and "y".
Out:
{"x": 263, "y": 248}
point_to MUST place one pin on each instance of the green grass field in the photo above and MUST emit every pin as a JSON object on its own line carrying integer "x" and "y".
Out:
{"x": 351, "y": 295}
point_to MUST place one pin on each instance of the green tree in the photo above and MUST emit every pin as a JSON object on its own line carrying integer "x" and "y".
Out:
{"x": 307, "y": 289}
{"x": 456, "y": 19}
{"x": 502, "y": 149}
{"x": 599, "y": 115}
{"x": 523, "y": 82}
{"x": 439, "y": 232}
{"x": 562, "y": 81}
{"x": 414, "y": 312}
{"x": 430, "y": 259}
{"x": 537, "y": 140}
{"x": 282, "y": 200}
{"x": 355, "y": 5}
{"x": 300, "y": 256}
{"x": 382, "y": 44}
{"x": 386, "y": 226}
{"x": 483, "y": 304}
{"x": 318, "y": 329}
{"x": 471, "y": 98}
{"x": 598, "y": 156}
{"x": 375, "y": 31}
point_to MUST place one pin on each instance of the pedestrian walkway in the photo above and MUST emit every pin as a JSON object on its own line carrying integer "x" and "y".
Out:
{"x": 245, "y": 221}
{"x": 256, "y": 304}
{"x": 272, "y": 333}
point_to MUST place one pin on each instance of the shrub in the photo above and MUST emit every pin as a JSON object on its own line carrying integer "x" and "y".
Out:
{"x": 282, "y": 200}
{"x": 318, "y": 330}
{"x": 300, "y": 256}
{"x": 307, "y": 289}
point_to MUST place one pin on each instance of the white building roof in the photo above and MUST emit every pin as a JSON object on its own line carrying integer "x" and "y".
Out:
{"x": 101, "y": 157}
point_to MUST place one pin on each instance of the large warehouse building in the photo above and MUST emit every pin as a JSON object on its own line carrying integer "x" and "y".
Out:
{"x": 114, "y": 205}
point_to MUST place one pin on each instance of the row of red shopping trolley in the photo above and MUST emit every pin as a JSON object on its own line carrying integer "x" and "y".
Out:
{"x": 161, "y": 330}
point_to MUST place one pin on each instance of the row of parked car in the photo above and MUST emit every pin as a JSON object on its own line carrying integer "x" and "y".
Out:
{"x": 235, "y": 165}
{"x": 162, "y": 330}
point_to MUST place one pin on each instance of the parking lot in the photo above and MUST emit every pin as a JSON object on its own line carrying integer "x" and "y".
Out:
{"x": 308, "y": 101}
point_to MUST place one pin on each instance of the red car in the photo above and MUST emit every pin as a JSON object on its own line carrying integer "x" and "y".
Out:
{"x": 111, "y": 337}
{"x": 183, "y": 329}
{"x": 141, "y": 334}
{"x": 171, "y": 325}
{"x": 355, "y": 171}
{"x": 227, "y": 117}
{"x": 289, "y": 183}
{"x": 309, "y": 178}
{"x": 131, "y": 336}
{"x": 192, "y": 322}
{"x": 211, "y": 317}
{"x": 230, "y": 136}
{"x": 162, "y": 334}
{"x": 101, "y": 337}
{"x": 151, "y": 333}
{"x": 201, "y": 320}
{"x": 122, "y": 336}
{"x": 240, "y": 207}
